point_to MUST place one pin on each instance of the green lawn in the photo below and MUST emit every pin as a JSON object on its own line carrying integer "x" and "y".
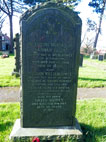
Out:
{"x": 91, "y": 75}
{"x": 6, "y": 69}
{"x": 8, "y": 114}
{"x": 90, "y": 113}
{"x": 92, "y": 117}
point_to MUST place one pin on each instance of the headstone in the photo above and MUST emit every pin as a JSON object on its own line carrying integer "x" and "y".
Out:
{"x": 17, "y": 55}
{"x": 81, "y": 60}
{"x": 92, "y": 56}
{"x": 104, "y": 56}
{"x": 100, "y": 57}
{"x": 50, "y": 60}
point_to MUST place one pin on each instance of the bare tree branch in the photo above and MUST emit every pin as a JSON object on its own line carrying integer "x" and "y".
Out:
{"x": 3, "y": 10}
{"x": 9, "y": 7}
{"x": 2, "y": 21}
{"x": 6, "y": 6}
{"x": 11, "y": 4}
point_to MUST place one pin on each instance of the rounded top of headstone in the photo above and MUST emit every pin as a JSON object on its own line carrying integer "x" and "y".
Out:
{"x": 51, "y": 5}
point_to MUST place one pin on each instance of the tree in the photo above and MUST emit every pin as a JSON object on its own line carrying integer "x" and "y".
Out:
{"x": 8, "y": 7}
{"x": 69, "y": 2}
{"x": 2, "y": 19}
{"x": 91, "y": 26}
{"x": 99, "y": 7}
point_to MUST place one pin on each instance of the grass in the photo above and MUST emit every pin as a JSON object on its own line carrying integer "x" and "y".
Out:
{"x": 8, "y": 114}
{"x": 91, "y": 75}
{"x": 90, "y": 113}
{"x": 6, "y": 68}
{"x": 92, "y": 117}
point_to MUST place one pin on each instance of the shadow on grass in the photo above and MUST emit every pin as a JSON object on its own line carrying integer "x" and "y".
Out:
{"x": 5, "y": 126}
{"x": 90, "y": 133}
{"x": 11, "y": 54}
{"x": 91, "y": 79}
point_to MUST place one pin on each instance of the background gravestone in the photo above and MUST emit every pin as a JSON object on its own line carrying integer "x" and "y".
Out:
{"x": 100, "y": 57}
{"x": 17, "y": 55}
{"x": 50, "y": 53}
{"x": 104, "y": 56}
{"x": 81, "y": 60}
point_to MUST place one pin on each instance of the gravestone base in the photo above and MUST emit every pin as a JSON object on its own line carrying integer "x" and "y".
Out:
{"x": 54, "y": 134}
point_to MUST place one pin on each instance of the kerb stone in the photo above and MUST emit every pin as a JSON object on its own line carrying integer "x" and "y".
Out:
{"x": 65, "y": 133}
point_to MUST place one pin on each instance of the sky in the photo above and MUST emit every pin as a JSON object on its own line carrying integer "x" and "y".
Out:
{"x": 85, "y": 12}
{"x": 16, "y": 27}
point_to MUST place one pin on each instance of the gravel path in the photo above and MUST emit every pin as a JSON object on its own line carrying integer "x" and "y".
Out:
{"x": 11, "y": 94}
{"x": 89, "y": 93}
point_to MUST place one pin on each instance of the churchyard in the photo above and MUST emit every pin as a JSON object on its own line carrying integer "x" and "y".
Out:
{"x": 48, "y": 110}
{"x": 93, "y": 123}
{"x": 91, "y": 75}
{"x": 90, "y": 113}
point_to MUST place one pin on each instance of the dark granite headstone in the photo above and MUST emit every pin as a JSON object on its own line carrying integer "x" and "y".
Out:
{"x": 50, "y": 54}
{"x": 17, "y": 55}
{"x": 81, "y": 60}
{"x": 100, "y": 57}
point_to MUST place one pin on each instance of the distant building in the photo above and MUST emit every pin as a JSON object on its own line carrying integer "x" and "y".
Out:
{"x": 4, "y": 42}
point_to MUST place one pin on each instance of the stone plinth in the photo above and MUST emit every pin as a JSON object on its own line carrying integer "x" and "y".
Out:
{"x": 19, "y": 134}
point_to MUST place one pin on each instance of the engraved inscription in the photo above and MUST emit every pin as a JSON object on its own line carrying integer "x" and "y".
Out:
{"x": 48, "y": 103}
{"x": 48, "y": 78}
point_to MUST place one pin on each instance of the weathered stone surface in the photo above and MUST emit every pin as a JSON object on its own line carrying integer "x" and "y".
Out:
{"x": 20, "y": 134}
{"x": 17, "y": 55}
{"x": 50, "y": 60}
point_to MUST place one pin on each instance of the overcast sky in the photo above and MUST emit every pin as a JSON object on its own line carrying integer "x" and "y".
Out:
{"x": 85, "y": 12}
